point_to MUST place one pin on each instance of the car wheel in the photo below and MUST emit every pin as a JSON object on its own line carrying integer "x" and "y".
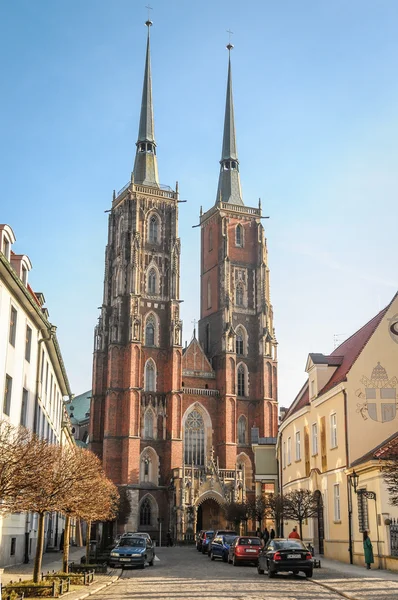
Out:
{"x": 225, "y": 557}
{"x": 211, "y": 555}
{"x": 234, "y": 561}
{"x": 142, "y": 566}
{"x": 203, "y": 550}
{"x": 295, "y": 572}
{"x": 270, "y": 572}
{"x": 259, "y": 570}
{"x": 229, "y": 560}
{"x": 309, "y": 573}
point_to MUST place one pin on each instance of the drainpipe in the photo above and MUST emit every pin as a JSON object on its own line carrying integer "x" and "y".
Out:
{"x": 349, "y": 488}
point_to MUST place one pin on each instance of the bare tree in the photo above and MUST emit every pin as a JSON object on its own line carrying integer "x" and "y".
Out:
{"x": 85, "y": 472}
{"x": 258, "y": 509}
{"x": 275, "y": 511}
{"x": 102, "y": 503}
{"x": 235, "y": 512}
{"x": 300, "y": 505}
{"x": 21, "y": 451}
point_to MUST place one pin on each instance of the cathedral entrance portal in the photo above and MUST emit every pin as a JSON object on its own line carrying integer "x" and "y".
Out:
{"x": 210, "y": 515}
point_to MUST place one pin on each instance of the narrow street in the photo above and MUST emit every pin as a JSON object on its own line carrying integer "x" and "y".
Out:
{"x": 183, "y": 573}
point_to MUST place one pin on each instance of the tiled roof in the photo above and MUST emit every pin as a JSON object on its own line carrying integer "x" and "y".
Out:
{"x": 351, "y": 349}
{"x": 344, "y": 356}
{"x": 379, "y": 452}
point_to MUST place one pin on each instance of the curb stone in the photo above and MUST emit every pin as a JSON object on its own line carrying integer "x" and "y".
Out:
{"x": 98, "y": 589}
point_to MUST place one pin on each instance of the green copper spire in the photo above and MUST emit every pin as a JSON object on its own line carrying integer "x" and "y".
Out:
{"x": 145, "y": 165}
{"x": 229, "y": 189}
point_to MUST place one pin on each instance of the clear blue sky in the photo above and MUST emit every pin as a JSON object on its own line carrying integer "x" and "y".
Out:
{"x": 316, "y": 106}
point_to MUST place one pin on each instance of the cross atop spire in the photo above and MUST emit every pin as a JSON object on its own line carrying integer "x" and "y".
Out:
{"x": 229, "y": 189}
{"x": 145, "y": 166}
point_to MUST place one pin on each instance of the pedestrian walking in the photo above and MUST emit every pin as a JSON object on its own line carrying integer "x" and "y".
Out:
{"x": 61, "y": 541}
{"x": 368, "y": 550}
{"x": 169, "y": 539}
{"x": 294, "y": 534}
{"x": 272, "y": 534}
{"x": 258, "y": 532}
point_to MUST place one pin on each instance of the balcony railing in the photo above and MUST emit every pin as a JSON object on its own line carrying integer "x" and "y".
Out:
{"x": 164, "y": 191}
{"x": 200, "y": 392}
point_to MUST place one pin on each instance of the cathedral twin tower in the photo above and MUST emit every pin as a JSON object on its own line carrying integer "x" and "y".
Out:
{"x": 174, "y": 426}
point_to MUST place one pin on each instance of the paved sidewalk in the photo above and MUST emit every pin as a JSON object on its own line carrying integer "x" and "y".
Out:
{"x": 357, "y": 583}
{"x": 53, "y": 562}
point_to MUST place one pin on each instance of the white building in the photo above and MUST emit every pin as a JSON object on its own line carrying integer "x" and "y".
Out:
{"x": 33, "y": 384}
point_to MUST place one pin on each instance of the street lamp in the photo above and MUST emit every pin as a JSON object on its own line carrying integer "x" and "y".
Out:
{"x": 354, "y": 480}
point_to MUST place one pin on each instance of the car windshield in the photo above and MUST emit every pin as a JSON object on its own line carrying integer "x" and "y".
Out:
{"x": 228, "y": 539}
{"x": 133, "y": 541}
{"x": 289, "y": 544}
{"x": 249, "y": 542}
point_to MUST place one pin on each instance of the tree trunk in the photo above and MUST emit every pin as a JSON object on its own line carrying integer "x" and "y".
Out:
{"x": 39, "y": 549}
{"x": 88, "y": 535}
{"x": 301, "y": 529}
{"x": 65, "y": 561}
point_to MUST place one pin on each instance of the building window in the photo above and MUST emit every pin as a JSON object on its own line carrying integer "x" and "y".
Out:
{"x": 148, "y": 424}
{"x": 13, "y": 546}
{"x": 314, "y": 439}
{"x": 312, "y": 388}
{"x": 210, "y": 239}
{"x": 289, "y": 450}
{"x": 146, "y": 513}
{"x": 28, "y": 343}
{"x": 208, "y": 293}
{"x": 242, "y": 430}
{"x": 194, "y": 439}
{"x": 241, "y": 381}
{"x": 150, "y": 332}
{"x": 153, "y": 229}
{"x": 336, "y": 500}
{"x": 333, "y": 430}
{"x": 284, "y": 455}
{"x": 152, "y": 281}
{"x": 239, "y": 342}
{"x": 150, "y": 376}
{"x": 24, "y": 407}
{"x": 239, "y": 295}
{"x": 13, "y": 326}
{"x": 7, "y": 396}
{"x": 6, "y": 248}
{"x": 24, "y": 275}
{"x": 298, "y": 445}
{"x": 239, "y": 235}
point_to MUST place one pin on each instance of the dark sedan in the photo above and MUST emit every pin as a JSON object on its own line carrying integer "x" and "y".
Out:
{"x": 206, "y": 539}
{"x": 289, "y": 555}
{"x": 132, "y": 551}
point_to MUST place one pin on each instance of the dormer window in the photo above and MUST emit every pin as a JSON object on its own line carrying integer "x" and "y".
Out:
{"x": 6, "y": 248}
{"x": 24, "y": 275}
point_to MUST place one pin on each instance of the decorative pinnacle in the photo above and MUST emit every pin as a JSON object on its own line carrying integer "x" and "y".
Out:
{"x": 229, "y": 45}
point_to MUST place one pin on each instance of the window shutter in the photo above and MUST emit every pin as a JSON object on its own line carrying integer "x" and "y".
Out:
{"x": 323, "y": 444}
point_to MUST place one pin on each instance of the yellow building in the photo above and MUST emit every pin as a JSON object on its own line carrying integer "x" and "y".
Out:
{"x": 337, "y": 426}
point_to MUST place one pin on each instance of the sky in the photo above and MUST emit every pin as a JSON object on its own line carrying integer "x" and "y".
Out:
{"x": 316, "y": 110}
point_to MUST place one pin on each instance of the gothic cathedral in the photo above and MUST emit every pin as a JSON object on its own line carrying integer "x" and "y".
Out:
{"x": 172, "y": 425}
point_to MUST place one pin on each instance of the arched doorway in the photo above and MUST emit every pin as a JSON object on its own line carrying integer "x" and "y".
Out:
{"x": 319, "y": 528}
{"x": 210, "y": 515}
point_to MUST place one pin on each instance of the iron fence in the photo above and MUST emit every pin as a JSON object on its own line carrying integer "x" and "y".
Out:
{"x": 394, "y": 537}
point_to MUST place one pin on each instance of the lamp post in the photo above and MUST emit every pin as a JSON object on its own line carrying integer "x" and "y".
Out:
{"x": 160, "y": 521}
{"x": 353, "y": 480}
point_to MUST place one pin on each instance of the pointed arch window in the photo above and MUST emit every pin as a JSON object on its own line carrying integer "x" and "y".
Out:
{"x": 239, "y": 235}
{"x": 242, "y": 430}
{"x": 241, "y": 380}
{"x": 239, "y": 342}
{"x": 148, "y": 424}
{"x": 150, "y": 376}
{"x": 194, "y": 439}
{"x": 152, "y": 281}
{"x": 239, "y": 295}
{"x": 210, "y": 239}
{"x": 208, "y": 293}
{"x": 146, "y": 512}
{"x": 153, "y": 236}
{"x": 150, "y": 332}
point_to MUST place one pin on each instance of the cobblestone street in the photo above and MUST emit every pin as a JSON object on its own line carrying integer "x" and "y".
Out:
{"x": 183, "y": 573}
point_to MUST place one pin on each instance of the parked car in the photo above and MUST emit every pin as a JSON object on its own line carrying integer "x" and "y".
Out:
{"x": 244, "y": 549}
{"x": 141, "y": 534}
{"x": 132, "y": 551}
{"x": 199, "y": 540}
{"x": 206, "y": 539}
{"x": 221, "y": 532}
{"x": 220, "y": 545}
{"x": 285, "y": 555}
